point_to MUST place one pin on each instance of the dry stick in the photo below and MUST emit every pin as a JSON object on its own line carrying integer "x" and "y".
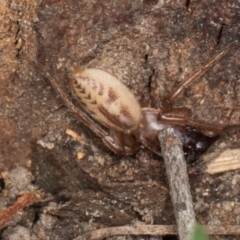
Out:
{"x": 152, "y": 230}
{"x": 136, "y": 230}
{"x": 176, "y": 170}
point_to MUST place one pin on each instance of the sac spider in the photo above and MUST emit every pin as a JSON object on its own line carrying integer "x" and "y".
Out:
{"x": 107, "y": 100}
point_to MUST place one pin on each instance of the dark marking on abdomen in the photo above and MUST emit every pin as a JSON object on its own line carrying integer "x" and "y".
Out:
{"x": 101, "y": 89}
{"x": 125, "y": 111}
{"x": 112, "y": 96}
{"x": 114, "y": 119}
{"x": 88, "y": 96}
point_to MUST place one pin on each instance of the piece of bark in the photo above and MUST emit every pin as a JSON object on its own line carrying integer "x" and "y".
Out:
{"x": 223, "y": 162}
{"x": 178, "y": 181}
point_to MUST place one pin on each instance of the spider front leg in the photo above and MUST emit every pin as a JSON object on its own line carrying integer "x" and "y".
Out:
{"x": 175, "y": 94}
{"x": 182, "y": 117}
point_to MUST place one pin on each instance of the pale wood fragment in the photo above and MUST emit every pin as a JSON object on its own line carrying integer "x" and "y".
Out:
{"x": 225, "y": 161}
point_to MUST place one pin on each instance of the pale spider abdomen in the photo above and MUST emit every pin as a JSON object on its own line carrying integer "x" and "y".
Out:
{"x": 106, "y": 98}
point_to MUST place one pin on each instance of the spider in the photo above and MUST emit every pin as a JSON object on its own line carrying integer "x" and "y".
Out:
{"x": 125, "y": 126}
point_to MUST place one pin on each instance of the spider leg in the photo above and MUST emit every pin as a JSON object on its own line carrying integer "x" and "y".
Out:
{"x": 76, "y": 111}
{"x": 205, "y": 127}
{"x": 120, "y": 143}
{"x": 172, "y": 97}
{"x": 178, "y": 112}
{"x": 179, "y": 119}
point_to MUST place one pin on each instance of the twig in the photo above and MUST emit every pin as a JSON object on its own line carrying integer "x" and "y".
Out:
{"x": 26, "y": 200}
{"x": 152, "y": 230}
{"x": 136, "y": 230}
{"x": 176, "y": 170}
{"x": 134, "y": 184}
